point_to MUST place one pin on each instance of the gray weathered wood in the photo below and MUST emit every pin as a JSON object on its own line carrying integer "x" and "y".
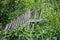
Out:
{"x": 24, "y": 19}
{"x": 37, "y": 20}
{"x": 35, "y": 13}
{"x": 20, "y": 20}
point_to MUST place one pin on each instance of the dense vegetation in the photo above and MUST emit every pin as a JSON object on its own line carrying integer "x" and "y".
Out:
{"x": 10, "y": 9}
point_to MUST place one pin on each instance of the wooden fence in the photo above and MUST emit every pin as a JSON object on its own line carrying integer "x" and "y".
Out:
{"x": 21, "y": 20}
{"x": 25, "y": 19}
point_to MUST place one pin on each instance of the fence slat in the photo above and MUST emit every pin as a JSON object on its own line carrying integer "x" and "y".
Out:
{"x": 20, "y": 20}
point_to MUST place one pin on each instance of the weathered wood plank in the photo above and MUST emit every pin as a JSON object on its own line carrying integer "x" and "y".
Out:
{"x": 20, "y": 20}
{"x": 24, "y": 19}
{"x": 37, "y": 20}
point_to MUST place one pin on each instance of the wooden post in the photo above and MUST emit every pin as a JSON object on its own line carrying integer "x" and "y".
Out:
{"x": 35, "y": 13}
{"x": 32, "y": 26}
{"x": 28, "y": 17}
{"x": 40, "y": 13}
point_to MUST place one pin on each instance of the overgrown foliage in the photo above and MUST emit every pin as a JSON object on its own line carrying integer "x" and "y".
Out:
{"x": 50, "y": 30}
{"x": 23, "y": 33}
{"x": 10, "y": 9}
